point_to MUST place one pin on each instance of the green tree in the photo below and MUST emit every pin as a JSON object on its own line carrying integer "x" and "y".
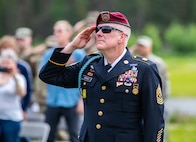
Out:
{"x": 181, "y": 38}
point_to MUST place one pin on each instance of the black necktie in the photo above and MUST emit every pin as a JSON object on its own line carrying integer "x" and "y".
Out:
{"x": 107, "y": 67}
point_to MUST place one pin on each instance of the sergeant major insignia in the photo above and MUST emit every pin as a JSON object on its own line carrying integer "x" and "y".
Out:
{"x": 159, "y": 95}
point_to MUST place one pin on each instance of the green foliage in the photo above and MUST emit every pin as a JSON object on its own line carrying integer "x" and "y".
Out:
{"x": 60, "y": 9}
{"x": 182, "y": 133}
{"x": 152, "y": 31}
{"x": 40, "y": 15}
{"x": 178, "y": 118}
{"x": 132, "y": 40}
{"x": 181, "y": 128}
{"x": 182, "y": 71}
{"x": 181, "y": 38}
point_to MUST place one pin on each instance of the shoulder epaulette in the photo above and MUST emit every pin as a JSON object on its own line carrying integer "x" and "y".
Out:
{"x": 142, "y": 59}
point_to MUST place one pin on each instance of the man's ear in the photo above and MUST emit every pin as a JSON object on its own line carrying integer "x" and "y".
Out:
{"x": 122, "y": 37}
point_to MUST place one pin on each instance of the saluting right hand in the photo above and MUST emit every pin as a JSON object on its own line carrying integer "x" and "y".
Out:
{"x": 80, "y": 40}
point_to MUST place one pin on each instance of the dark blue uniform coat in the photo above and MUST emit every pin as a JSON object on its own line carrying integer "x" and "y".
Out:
{"x": 124, "y": 105}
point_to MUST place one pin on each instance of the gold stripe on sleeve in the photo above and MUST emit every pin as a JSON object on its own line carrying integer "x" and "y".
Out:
{"x": 58, "y": 64}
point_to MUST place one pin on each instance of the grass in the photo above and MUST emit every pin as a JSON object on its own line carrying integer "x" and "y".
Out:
{"x": 181, "y": 133}
{"x": 181, "y": 129}
{"x": 182, "y": 72}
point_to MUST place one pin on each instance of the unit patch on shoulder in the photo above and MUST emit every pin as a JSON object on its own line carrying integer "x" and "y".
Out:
{"x": 159, "y": 95}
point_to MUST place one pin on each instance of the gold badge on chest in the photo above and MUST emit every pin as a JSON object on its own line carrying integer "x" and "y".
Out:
{"x": 135, "y": 90}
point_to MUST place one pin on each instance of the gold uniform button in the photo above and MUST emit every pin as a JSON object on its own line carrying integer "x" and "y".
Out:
{"x": 102, "y": 101}
{"x": 98, "y": 126}
{"x": 103, "y": 87}
{"x": 127, "y": 91}
{"x": 100, "y": 113}
{"x": 84, "y": 83}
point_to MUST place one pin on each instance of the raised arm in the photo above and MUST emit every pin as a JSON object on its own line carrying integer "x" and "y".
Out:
{"x": 79, "y": 41}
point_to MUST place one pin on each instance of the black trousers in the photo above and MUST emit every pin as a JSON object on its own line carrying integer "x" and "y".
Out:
{"x": 53, "y": 115}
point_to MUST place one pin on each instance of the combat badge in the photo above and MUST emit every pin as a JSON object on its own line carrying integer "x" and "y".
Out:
{"x": 159, "y": 95}
{"x": 135, "y": 90}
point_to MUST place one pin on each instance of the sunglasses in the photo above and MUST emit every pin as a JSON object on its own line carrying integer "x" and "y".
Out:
{"x": 106, "y": 29}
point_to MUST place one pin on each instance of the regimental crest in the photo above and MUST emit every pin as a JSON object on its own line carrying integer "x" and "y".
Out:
{"x": 105, "y": 16}
{"x": 159, "y": 95}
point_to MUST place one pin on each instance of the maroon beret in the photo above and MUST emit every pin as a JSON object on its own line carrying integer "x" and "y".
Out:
{"x": 112, "y": 17}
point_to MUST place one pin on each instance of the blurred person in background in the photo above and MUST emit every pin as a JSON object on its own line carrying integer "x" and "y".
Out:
{"x": 63, "y": 102}
{"x": 24, "y": 37}
{"x": 32, "y": 55}
{"x": 144, "y": 47}
{"x": 9, "y": 42}
{"x": 40, "y": 87}
{"x": 50, "y": 41}
{"x": 12, "y": 88}
{"x": 90, "y": 20}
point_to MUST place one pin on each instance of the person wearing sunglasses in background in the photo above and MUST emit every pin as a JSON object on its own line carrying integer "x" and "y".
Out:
{"x": 122, "y": 103}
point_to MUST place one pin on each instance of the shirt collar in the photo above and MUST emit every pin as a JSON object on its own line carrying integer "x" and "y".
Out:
{"x": 116, "y": 61}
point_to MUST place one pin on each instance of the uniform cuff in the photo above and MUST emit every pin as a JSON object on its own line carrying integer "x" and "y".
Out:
{"x": 59, "y": 58}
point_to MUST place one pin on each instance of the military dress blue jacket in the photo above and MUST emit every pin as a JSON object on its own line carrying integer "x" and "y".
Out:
{"x": 124, "y": 105}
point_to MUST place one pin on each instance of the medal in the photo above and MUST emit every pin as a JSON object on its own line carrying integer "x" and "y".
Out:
{"x": 135, "y": 90}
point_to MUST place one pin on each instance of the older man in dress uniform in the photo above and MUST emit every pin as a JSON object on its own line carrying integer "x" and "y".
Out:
{"x": 121, "y": 93}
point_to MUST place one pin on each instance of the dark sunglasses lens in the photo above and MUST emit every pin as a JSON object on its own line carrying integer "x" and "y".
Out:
{"x": 103, "y": 29}
{"x": 106, "y": 30}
